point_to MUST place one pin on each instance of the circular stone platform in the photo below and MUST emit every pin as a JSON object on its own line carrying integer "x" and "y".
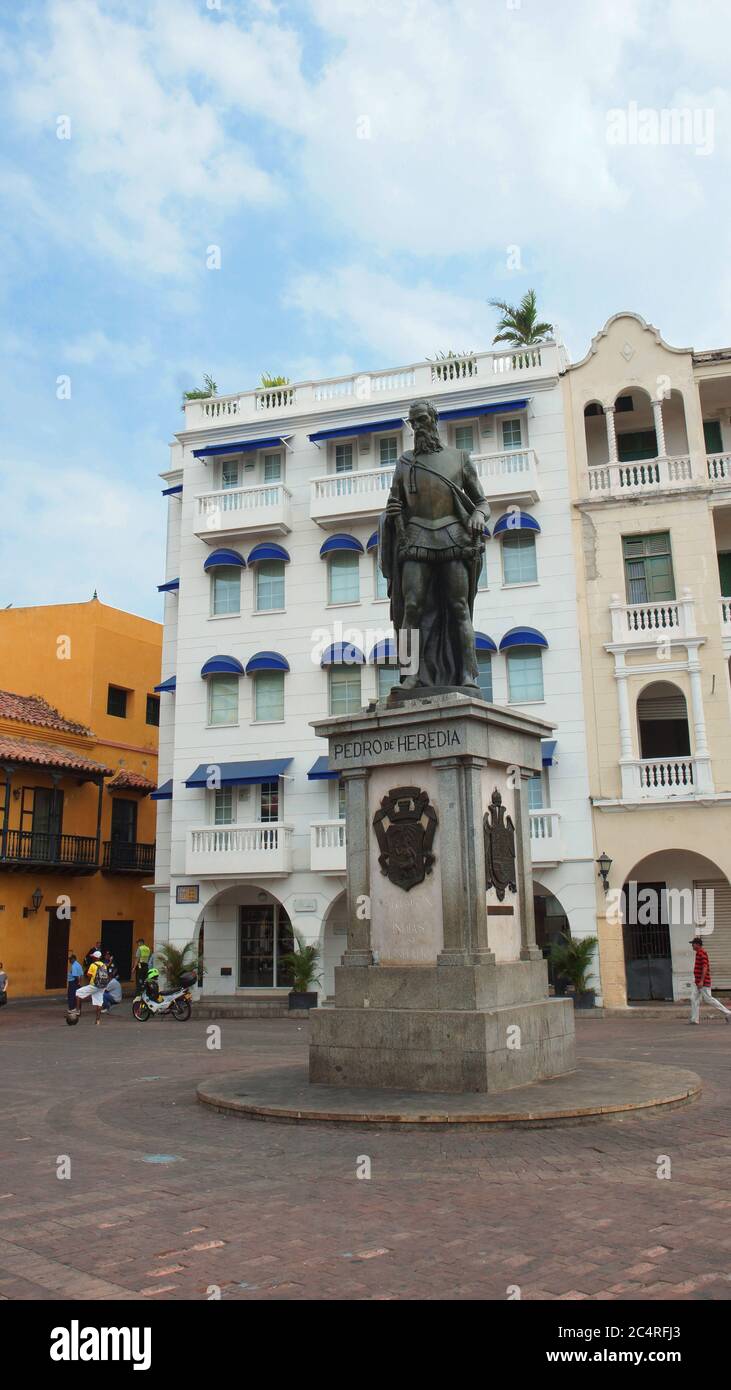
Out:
{"x": 595, "y": 1089}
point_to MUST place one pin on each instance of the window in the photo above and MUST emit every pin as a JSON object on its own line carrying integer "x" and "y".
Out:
{"x": 519, "y": 558}
{"x": 482, "y": 581}
{"x": 623, "y": 404}
{"x": 223, "y": 700}
{"x": 345, "y": 689}
{"x": 117, "y": 702}
{"x": 525, "y": 674}
{"x": 269, "y": 586}
{"x": 269, "y": 696}
{"x": 269, "y": 801}
{"x": 535, "y": 792}
{"x": 648, "y": 568}
{"x": 226, "y": 590}
{"x": 230, "y": 473}
{"x": 380, "y": 583}
{"x": 388, "y": 450}
{"x": 223, "y": 806}
{"x": 152, "y": 713}
{"x": 512, "y": 434}
{"x": 272, "y": 468}
{"x": 388, "y": 677}
{"x": 344, "y": 577}
{"x": 464, "y": 438}
{"x": 635, "y": 445}
{"x": 484, "y": 675}
{"x": 343, "y": 458}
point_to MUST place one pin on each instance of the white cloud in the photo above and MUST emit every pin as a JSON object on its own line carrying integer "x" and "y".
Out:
{"x": 398, "y": 324}
{"x": 96, "y": 349}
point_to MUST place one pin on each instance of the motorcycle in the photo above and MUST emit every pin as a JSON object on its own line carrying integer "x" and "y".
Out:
{"x": 176, "y": 1003}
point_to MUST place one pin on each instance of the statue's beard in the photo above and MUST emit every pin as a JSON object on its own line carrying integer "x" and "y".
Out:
{"x": 426, "y": 440}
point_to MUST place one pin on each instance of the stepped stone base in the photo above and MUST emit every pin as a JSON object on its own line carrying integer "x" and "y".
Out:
{"x": 442, "y": 1028}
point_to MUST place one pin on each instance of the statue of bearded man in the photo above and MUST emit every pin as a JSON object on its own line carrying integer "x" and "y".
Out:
{"x": 431, "y": 546}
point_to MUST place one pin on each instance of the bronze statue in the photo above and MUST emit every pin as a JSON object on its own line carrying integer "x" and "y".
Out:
{"x": 431, "y": 545}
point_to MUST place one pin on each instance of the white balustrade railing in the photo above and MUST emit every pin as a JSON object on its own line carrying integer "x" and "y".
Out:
{"x": 661, "y": 775}
{"x": 239, "y": 506}
{"x": 488, "y": 368}
{"x": 513, "y": 463}
{"x": 328, "y": 834}
{"x": 240, "y": 839}
{"x": 641, "y": 475}
{"x": 653, "y": 622}
{"x": 359, "y": 483}
{"x": 545, "y": 825}
{"x": 719, "y": 467}
{"x": 725, "y": 609}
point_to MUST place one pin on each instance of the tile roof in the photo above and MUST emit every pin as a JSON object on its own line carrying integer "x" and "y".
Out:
{"x": 27, "y": 750}
{"x": 132, "y": 781}
{"x": 33, "y": 709}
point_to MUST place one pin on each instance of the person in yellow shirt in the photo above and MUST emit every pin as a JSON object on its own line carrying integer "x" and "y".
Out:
{"x": 98, "y": 981}
{"x": 141, "y": 963}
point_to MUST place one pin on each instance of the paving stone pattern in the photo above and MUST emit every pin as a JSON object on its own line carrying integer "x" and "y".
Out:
{"x": 168, "y": 1199}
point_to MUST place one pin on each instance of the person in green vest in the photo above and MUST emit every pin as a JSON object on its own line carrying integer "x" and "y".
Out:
{"x": 142, "y": 963}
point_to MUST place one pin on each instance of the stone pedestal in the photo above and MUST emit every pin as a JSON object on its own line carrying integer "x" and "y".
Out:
{"x": 442, "y": 986}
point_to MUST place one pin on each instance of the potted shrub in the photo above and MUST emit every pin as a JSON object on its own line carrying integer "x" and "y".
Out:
{"x": 572, "y": 957}
{"x": 303, "y": 963}
{"x": 178, "y": 960}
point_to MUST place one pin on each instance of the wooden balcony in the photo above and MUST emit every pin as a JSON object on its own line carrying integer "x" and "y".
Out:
{"x": 26, "y": 849}
{"x": 122, "y": 858}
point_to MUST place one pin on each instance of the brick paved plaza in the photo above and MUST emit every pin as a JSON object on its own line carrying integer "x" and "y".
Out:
{"x": 276, "y": 1211}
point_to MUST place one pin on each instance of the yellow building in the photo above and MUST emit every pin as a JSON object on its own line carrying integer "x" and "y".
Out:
{"x": 650, "y": 455}
{"x": 78, "y": 760}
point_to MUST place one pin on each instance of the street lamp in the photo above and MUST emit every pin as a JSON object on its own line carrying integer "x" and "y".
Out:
{"x": 36, "y": 900}
{"x": 605, "y": 864}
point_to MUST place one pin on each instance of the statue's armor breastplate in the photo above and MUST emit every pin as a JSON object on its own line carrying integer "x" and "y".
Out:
{"x": 433, "y": 500}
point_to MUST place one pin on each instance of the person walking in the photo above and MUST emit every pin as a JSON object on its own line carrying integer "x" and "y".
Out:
{"x": 3, "y": 985}
{"x": 73, "y": 980}
{"x": 141, "y": 963}
{"x": 701, "y": 987}
{"x": 98, "y": 981}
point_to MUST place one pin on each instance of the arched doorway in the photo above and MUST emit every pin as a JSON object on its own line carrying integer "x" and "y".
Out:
{"x": 334, "y": 942}
{"x": 667, "y": 898}
{"x": 551, "y": 923}
{"x": 243, "y": 934}
{"x": 662, "y": 718}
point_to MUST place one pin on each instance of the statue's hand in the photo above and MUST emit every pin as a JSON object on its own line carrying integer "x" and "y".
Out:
{"x": 393, "y": 507}
{"x": 477, "y": 523}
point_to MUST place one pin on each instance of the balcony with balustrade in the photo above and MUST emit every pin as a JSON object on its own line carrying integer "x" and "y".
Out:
{"x": 546, "y": 843}
{"x": 229, "y": 513}
{"x": 651, "y": 623}
{"x": 239, "y": 851}
{"x": 327, "y": 847}
{"x": 500, "y": 370}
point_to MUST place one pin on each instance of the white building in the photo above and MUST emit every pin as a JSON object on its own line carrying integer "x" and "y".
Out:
{"x": 274, "y": 496}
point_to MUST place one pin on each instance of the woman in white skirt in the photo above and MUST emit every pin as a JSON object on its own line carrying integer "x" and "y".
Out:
{"x": 93, "y": 991}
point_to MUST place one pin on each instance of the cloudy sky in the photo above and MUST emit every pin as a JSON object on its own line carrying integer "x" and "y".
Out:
{"x": 373, "y": 171}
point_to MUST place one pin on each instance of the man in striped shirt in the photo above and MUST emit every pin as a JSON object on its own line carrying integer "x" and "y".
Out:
{"x": 701, "y": 988}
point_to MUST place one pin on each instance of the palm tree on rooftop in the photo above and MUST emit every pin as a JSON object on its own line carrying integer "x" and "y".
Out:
{"x": 519, "y": 326}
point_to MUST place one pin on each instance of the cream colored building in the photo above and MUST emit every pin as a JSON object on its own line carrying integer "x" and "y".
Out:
{"x": 649, "y": 443}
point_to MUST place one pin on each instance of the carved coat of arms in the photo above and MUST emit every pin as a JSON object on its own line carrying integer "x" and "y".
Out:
{"x": 405, "y": 825}
{"x": 499, "y": 833}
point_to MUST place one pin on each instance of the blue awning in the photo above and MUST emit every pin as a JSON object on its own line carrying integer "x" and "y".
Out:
{"x": 222, "y": 666}
{"x": 223, "y": 557}
{"x": 548, "y": 751}
{"x": 347, "y": 431}
{"x": 523, "y": 637}
{"x": 372, "y": 541}
{"x": 384, "y": 653}
{"x": 238, "y": 774}
{"x": 516, "y": 521}
{"x": 483, "y": 643}
{"x": 496, "y": 408}
{"x": 343, "y": 654}
{"x": 173, "y": 491}
{"x": 320, "y": 771}
{"x": 268, "y": 550}
{"x": 241, "y": 446}
{"x": 163, "y": 793}
{"x": 266, "y": 661}
{"x": 169, "y": 684}
{"x": 340, "y": 542}
{"x": 169, "y": 587}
